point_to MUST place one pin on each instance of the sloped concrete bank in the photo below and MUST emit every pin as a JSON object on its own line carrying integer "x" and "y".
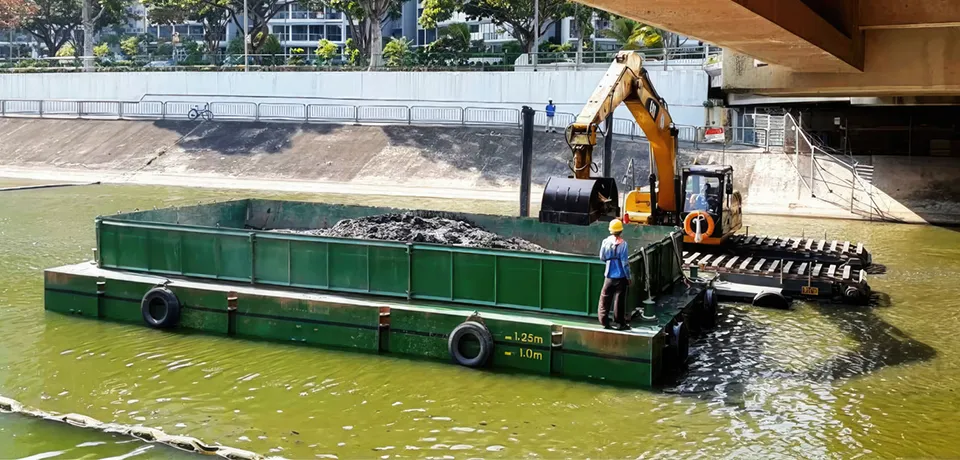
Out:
{"x": 463, "y": 163}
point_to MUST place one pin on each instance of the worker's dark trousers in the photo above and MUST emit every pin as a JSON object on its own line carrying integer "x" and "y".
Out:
{"x": 614, "y": 290}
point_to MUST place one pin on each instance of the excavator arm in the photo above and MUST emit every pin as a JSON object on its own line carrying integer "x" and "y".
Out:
{"x": 583, "y": 199}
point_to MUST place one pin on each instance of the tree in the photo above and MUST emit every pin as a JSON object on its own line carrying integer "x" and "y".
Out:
{"x": 583, "y": 18}
{"x": 297, "y": 57}
{"x": 326, "y": 51}
{"x": 112, "y": 9}
{"x": 172, "y": 12}
{"x": 235, "y": 46}
{"x": 216, "y": 13}
{"x": 397, "y": 52}
{"x": 515, "y": 15}
{"x": 164, "y": 49}
{"x": 193, "y": 54}
{"x": 55, "y": 22}
{"x": 66, "y": 51}
{"x": 101, "y": 51}
{"x": 130, "y": 47}
{"x": 365, "y": 19}
{"x": 449, "y": 49}
{"x": 13, "y": 12}
{"x": 632, "y": 35}
{"x": 351, "y": 52}
{"x": 272, "y": 48}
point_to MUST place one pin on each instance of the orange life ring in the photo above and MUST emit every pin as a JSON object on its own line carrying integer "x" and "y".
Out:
{"x": 688, "y": 223}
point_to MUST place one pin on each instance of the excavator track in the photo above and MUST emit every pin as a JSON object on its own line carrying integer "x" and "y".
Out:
{"x": 803, "y": 267}
{"x": 802, "y": 248}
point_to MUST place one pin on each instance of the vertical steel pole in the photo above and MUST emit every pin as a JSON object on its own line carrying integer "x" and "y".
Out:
{"x": 526, "y": 160}
{"x": 536, "y": 32}
{"x": 246, "y": 37}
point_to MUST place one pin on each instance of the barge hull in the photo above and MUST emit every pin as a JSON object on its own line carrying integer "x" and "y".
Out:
{"x": 530, "y": 342}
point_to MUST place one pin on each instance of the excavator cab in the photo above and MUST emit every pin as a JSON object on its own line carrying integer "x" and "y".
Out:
{"x": 711, "y": 209}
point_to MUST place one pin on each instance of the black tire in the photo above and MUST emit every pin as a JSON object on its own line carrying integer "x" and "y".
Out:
{"x": 770, "y": 299}
{"x": 193, "y": 114}
{"x": 160, "y": 308}
{"x": 854, "y": 296}
{"x": 677, "y": 347}
{"x": 710, "y": 304}
{"x": 475, "y": 331}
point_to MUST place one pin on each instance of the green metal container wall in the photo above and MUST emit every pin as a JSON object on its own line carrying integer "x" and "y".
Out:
{"x": 565, "y": 284}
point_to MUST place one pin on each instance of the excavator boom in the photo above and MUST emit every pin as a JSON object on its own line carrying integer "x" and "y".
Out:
{"x": 583, "y": 199}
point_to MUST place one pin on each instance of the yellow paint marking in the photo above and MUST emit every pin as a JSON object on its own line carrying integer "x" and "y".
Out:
{"x": 508, "y": 353}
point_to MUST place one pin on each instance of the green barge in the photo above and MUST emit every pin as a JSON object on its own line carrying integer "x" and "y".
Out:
{"x": 221, "y": 268}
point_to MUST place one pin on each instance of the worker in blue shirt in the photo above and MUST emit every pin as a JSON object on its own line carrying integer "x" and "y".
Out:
{"x": 551, "y": 111}
{"x": 617, "y": 277}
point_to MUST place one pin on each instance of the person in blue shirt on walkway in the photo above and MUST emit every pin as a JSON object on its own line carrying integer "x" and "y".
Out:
{"x": 617, "y": 277}
{"x": 551, "y": 111}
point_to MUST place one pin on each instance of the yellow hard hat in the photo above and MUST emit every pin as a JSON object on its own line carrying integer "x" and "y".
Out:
{"x": 616, "y": 226}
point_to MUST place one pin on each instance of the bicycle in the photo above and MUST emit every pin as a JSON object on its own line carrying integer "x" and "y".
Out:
{"x": 197, "y": 112}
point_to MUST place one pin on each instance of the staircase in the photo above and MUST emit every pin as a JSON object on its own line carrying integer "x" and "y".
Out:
{"x": 865, "y": 172}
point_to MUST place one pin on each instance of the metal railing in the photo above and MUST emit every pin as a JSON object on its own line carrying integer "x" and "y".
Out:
{"x": 330, "y": 113}
{"x": 823, "y": 182}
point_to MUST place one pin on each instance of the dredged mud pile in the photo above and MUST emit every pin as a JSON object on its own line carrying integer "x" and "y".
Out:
{"x": 411, "y": 228}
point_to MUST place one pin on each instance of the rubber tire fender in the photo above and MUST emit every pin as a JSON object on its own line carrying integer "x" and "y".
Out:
{"x": 171, "y": 305}
{"x": 677, "y": 346}
{"x": 769, "y": 299}
{"x": 482, "y": 335}
{"x": 710, "y": 303}
{"x": 855, "y": 296}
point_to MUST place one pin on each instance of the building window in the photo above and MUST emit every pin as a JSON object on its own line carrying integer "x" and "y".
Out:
{"x": 474, "y": 28}
{"x": 334, "y": 33}
{"x": 316, "y": 33}
{"x": 280, "y": 32}
{"x": 165, "y": 31}
{"x": 431, "y": 36}
{"x": 297, "y": 11}
{"x": 397, "y": 33}
{"x": 421, "y": 37}
{"x": 331, "y": 14}
{"x": 195, "y": 32}
{"x": 299, "y": 33}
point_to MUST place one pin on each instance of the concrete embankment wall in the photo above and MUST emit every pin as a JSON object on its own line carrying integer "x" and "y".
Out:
{"x": 472, "y": 160}
{"x": 685, "y": 89}
{"x": 466, "y": 158}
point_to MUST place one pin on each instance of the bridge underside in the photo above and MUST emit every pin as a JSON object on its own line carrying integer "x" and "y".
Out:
{"x": 819, "y": 47}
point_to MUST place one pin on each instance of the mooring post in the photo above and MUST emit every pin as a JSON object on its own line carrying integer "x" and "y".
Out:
{"x": 526, "y": 159}
{"x": 608, "y": 147}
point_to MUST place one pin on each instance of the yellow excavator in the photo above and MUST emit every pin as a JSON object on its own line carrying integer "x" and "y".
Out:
{"x": 700, "y": 198}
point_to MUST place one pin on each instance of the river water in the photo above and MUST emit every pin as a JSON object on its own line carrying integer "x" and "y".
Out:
{"x": 818, "y": 381}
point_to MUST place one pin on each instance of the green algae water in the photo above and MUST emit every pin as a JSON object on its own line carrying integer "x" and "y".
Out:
{"x": 818, "y": 381}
